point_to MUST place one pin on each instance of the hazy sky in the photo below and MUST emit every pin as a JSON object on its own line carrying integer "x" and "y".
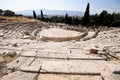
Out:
{"x": 96, "y": 6}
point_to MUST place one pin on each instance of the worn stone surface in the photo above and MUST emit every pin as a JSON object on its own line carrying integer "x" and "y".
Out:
{"x": 55, "y": 34}
{"x": 113, "y": 51}
{"x": 33, "y": 67}
{"x": 45, "y": 54}
{"x": 80, "y": 56}
{"x": 114, "y": 73}
{"x": 67, "y": 77}
{"x": 29, "y": 53}
{"x": 20, "y": 76}
{"x": 19, "y": 62}
{"x": 70, "y": 67}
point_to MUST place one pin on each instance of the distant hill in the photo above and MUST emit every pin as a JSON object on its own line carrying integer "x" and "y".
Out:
{"x": 51, "y": 12}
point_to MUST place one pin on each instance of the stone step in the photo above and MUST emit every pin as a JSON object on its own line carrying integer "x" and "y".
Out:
{"x": 29, "y": 54}
{"x": 69, "y": 67}
{"x": 36, "y": 65}
{"x": 53, "y": 55}
{"x": 66, "y": 56}
{"x": 67, "y": 77}
{"x": 77, "y": 56}
{"x": 20, "y": 76}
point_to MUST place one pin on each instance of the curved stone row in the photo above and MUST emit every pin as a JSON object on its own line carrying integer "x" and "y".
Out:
{"x": 16, "y": 30}
{"x": 33, "y": 30}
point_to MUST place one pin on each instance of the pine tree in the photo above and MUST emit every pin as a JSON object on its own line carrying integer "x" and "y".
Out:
{"x": 1, "y": 11}
{"x": 86, "y": 16}
{"x": 42, "y": 16}
{"x": 34, "y": 14}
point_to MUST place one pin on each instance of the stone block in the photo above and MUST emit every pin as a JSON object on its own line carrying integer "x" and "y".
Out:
{"x": 67, "y": 77}
{"x": 54, "y": 55}
{"x": 29, "y": 54}
{"x": 33, "y": 67}
{"x": 65, "y": 67}
{"x": 80, "y": 56}
{"x": 20, "y": 76}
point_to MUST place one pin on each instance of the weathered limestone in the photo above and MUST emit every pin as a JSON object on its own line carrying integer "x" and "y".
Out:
{"x": 67, "y": 77}
{"x": 109, "y": 70}
{"x": 114, "y": 73}
{"x": 69, "y": 60}
{"x": 90, "y": 36}
{"x": 54, "y": 34}
{"x": 80, "y": 56}
{"x": 113, "y": 51}
{"x": 29, "y": 53}
{"x": 19, "y": 62}
{"x": 86, "y": 68}
{"x": 20, "y": 76}
{"x": 54, "y": 55}
{"x": 33, "y": 67}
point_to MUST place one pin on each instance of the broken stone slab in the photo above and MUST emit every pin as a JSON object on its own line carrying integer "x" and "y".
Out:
{"x": 109, "y": 70}
{"x": 19, "y": 62}
{"x": 20, "y": 76}
{"x": 80, "y": 56}
{"x": 54, "y": 55}
{"x": 114, "y": 73}
{"x": 113, "y": 51}
{"x": 33, "y": 67}
{"x": 29, "y": 54}
{"x": 67, "y": 77}
{"x": 65, "y": 67}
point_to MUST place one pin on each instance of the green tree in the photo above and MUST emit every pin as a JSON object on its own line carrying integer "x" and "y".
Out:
{"x": 115, "y": 19}
{"x": 34, "y": 14}
{"x": 86, "y": 19}
{"x": 94, "y": 19}
{"x": 66, "y": 18}
{"x": 42, "y": 16}
{"x": 103, "y": 17}
{"x": 75, "y": 21}
{"x": 8, "y": 13}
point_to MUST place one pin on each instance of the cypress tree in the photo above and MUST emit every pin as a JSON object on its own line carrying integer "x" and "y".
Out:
{"x": 34, "y": 14}
{"x": 66, "y": 18}
{"x": 1, "y": 11}
{"x": 86, "y": 16}
{"x": 42, "y": 16}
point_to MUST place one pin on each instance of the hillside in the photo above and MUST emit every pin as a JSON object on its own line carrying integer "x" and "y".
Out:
{"x": 51, "y": 12}
{"x": 16, "y": 19}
